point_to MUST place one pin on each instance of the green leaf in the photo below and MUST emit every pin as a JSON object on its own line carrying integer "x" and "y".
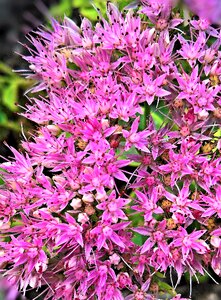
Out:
{"x": 16, "y": 222}
{"x": 134, "y": 164}
{"x": 137, "y": 220}
{"x": 138, "y": 239}
{"x": 165, "y": 287}
{"x": 89, "y": 13}
{"x": 144, "y": 116}
{"x": 201, "y": 278}
{"x": 5, "y": 69}
{"x": 63, "y": 8}
{"x": 218, "y": 133}
{"x": 3, "y": 118}
{"x": 79, "y": 3}
{"x": 68, "y": 134}
{"x": 160, "y": 275}
{"x": 9, "y": 96}
{"x": 11, "y": 125}
{"x": 157, "y": 118}
{"x": 132, "y": 150}
{"x": 123, "y": 3}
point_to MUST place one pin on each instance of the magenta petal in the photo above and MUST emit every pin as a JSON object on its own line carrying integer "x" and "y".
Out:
{"x": 116, "y": 239}
{"x": 120, "y": 175}
{"x": 147, "y": 246}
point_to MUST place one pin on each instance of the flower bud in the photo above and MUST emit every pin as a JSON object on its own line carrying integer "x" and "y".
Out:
{"x": 114, "y": 259}
{"x": 83, "y": 218}
{"x": 76, "y": 203}
{"x": 54, "y": 129}
{"x": 88, "y": 198}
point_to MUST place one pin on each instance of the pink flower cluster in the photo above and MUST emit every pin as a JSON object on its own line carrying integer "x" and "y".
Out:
{"x": 120, "y": 183}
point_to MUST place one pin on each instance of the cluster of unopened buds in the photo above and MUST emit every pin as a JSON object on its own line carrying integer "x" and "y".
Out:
{"x": 119, "y": 186}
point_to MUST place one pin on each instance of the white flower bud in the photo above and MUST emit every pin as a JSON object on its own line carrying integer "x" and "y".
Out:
{"x": 203, "y": 114}
{"x": 54, "y": 129}
{"x": 88, "y": 198}
{"x": 76, "y": 203}
{"x": 83, "y": 218}
{"x": 114, "y": 259}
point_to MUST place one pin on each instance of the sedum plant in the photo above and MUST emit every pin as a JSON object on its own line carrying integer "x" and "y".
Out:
{"x": 119, "y": 185}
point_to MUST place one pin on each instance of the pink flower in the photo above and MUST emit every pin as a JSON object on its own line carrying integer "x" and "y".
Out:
{"x": 70, "y": 232}
{"x": 152, "y": 88}
{"x": 179, "y": 165}
{"x": 112, "y": 208}
{"x": 140, "y": 293}
{"x": 134, "y": 138}
{"x": 148, "y": 205}
{"x": 181, "y": 204}
{"x": 216, "y": 242}
{"x": 105, "y": 232}
{"x": 156, "y": 236}
{"x": 189, "y": 242}
{"x": 213, "y": 204}
{"x": 191, "y": 50}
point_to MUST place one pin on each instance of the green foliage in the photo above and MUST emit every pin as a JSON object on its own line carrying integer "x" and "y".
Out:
{"x": 198, "y": 278}
{"x": 64, "y": 7}
{"x": 137, "y": 239}
{"x": 85, "y": 7}
{"x": 11, "y": 86}
{"x": 158, "y": 119}
{"x": 87, "y": 10}
{"x": 144, "y": 116}
{"x": 165, "y": 287}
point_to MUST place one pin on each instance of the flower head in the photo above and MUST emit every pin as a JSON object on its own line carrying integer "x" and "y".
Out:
{"x": 121, "y": 179}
